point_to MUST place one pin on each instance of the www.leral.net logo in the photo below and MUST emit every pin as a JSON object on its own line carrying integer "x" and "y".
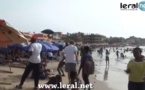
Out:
{"x": 133, "y": 6}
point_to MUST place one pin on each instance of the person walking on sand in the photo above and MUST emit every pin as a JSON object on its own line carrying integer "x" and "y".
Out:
{"x": 62, "y": 62}
{"x": 136, "y": 71}
{"x": 34, "y": 63}
{"x": 87, "y": 65}
{"x": 107, "y": 57}
{"x": 71, "y": 58}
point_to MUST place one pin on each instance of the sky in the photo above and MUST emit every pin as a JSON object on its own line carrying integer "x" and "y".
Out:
{"x": 88, "y": 16}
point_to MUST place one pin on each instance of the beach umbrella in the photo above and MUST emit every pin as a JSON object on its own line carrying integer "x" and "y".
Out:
{"x": 48, "y": 31}
{"x": 53, "y": 47}
{"x": 14, "y": 46}
{"x": 9, "y": 35}
{"x": 57, "y": 45}
{"x": 4, "y": 50}
{"x": 45, "y": 47}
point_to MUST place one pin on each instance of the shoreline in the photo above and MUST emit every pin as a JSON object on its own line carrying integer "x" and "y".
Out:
{"x": 28, "y": 85}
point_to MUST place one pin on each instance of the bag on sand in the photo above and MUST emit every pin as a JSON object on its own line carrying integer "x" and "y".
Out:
{"x": 89, "y": 66}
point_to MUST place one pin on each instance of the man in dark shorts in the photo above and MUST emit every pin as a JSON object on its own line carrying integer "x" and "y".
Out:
{"x": 70, "y": 52}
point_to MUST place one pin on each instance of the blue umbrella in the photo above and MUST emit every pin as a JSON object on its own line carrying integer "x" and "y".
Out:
{"x": 57, "y": 44}
{"x": 48, "y": 31}
{"x": 45, "y": 47}
{"x": 26, "y": 48}
{"x": 14, "y": 46}
{"x": 4, "y": 50}
{"x": 53, "y": 47}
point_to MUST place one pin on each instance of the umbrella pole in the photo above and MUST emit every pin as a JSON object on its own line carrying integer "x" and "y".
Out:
{"x": 9, "y": 66}
{"x": 9, "y": 63}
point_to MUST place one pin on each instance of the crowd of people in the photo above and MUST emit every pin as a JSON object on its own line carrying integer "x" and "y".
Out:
{"x": 68, "y": 57}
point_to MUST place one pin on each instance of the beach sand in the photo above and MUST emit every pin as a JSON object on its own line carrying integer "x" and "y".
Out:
{"x": 15, "y": 77}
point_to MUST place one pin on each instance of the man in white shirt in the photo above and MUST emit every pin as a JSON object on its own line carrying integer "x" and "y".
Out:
{"x": 71, "y": 58}
{"x": 34, "y": 63}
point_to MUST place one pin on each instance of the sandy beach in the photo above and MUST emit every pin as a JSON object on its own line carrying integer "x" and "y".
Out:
{"x": 110, "y": 78}
{"x": 28, "y": 85}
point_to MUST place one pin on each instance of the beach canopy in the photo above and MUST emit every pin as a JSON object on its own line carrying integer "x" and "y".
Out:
{"x": 53, "y": 47}
{"x": 48, "y": 31}
{"x": 16, "y": 46}
{"x": 4, "y": 50}
{"x": 26, "y": 48}
{"x": 9, "y": 35}
{"x": 57, "y": 45}
{"x": 45, "y": 47}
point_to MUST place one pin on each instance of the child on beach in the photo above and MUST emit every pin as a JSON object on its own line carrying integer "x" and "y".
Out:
{"x": 62, "y": 62}
{"x": 59, "y": 68}
{"x": 136, "y": 71}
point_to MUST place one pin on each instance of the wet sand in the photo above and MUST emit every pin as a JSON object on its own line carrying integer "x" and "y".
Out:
{"x": 112, "y": 75}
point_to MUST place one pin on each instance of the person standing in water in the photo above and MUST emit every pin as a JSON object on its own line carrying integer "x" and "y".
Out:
{"x": 101, "y": 52}
{"x": 107, "y": 57}
{"x": 136, "y": 71}
{"x": 117, "y": 54}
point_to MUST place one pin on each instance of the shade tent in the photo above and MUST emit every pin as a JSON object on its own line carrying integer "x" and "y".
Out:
{"x": 45, "y": 47}
{"x": 4, "y": 50}
{"x": 14, "y": 46}
{"x": 26, "y": 48}
{"x": 53, "y": 47}
{"x": 9, "y": 35}
{"x": 57, "y": 44}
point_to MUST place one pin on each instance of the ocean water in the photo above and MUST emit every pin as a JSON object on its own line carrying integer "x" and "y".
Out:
{"x": 114, "y": 75}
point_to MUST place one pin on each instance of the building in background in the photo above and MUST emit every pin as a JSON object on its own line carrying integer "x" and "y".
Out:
{"x": 57, "y": 37}
{"x": 94, "y": 38}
